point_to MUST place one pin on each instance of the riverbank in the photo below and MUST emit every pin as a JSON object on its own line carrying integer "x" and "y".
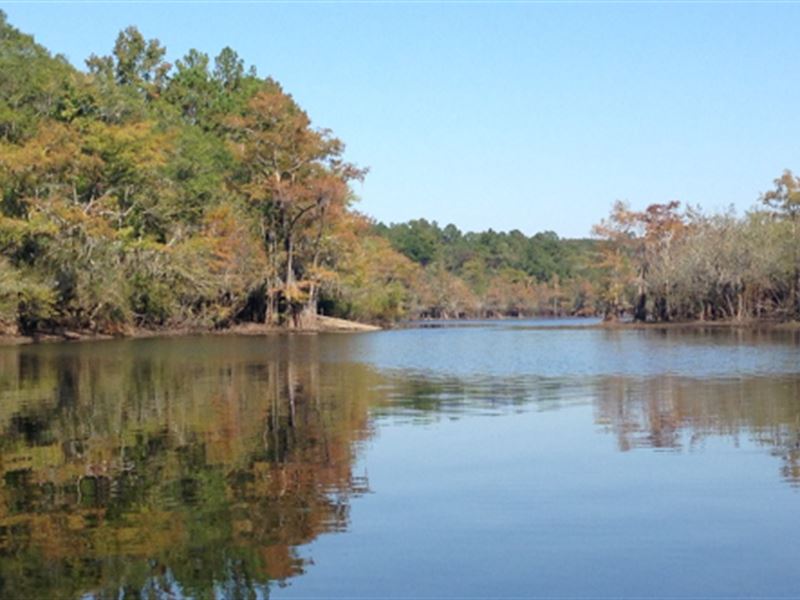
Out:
{"x": 324, "y": 324}
{"x": 550, "y": 323}
{"x": 321, "y": 324}
{"x": 729, "y": 324}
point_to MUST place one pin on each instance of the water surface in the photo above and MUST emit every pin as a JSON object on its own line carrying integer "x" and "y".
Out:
{"x": 491, "y": 460}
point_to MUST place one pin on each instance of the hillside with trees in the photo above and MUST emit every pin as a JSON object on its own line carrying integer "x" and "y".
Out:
{"x": 139, "y": 194}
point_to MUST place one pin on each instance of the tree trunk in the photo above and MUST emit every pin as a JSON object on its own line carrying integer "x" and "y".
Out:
{"x": 271, "y": 313}
{"x": 662, "y": 309}
{"x": 305, "y": 318}
{"x": 796, "y": 290}
{"x": 289, "y": 276}
{"x": 640, "y": 310}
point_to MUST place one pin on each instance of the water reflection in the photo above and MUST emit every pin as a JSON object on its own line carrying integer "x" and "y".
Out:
{"x": 662, "y": 413}
{"x": 196, "y": 467}
{"x": 163, "y": 470}
{"x": 514, "y": 349}
{"x": 678, "y": 413}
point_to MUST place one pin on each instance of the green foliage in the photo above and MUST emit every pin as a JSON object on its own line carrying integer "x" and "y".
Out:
{"x": 371, "y": 282}
{"x": 136, "y": 63}
{"x": 142, "y": 195}
{"x": 33, "y": 84}
{"x": 490, "y": 273}
{"x": 25, "y": 300}
{"x": 541, "y": 256}
{"x": 146, "y": 195}
{"x": 419, "y": 240}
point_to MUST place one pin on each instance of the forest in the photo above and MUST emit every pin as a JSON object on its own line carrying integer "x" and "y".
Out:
{"x": 139, "y": 194}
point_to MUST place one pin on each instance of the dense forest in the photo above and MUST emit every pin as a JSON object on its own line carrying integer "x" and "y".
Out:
{"x": 142, "y": 194}
{"x": 668, "y": 264}
{"x": 493, "y": 274}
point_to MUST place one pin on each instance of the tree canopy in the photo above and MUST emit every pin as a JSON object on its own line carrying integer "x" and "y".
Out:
{"x": 195, "y": 193}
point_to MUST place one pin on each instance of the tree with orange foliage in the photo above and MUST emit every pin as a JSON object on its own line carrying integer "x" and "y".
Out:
{"x": 293, "y": 177}
{"x": 784, "y": 200}
{"x": 644, "y": 238}
{"x": 619, "y": 234}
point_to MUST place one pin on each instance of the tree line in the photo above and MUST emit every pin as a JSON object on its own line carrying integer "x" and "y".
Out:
{"x": 666, "y": 263}
{"x": 494, "y": 274}
{"x": 143, "y": 194}
{"x": 139, "y": 193}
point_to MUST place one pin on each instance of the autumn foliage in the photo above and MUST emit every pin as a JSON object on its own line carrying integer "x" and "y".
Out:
{"x": 146, "y": 194}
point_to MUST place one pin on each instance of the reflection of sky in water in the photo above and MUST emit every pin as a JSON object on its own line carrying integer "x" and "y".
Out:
{"x": 520, "y": 349}
{"x": 538, "y": 505}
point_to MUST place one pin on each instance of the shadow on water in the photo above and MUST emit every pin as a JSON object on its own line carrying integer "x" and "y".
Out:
{"x": 196, "y": 467}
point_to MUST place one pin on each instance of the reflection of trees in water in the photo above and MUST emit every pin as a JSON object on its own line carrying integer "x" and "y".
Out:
{"x": 424, "y": 398}
{"x": 667, "y": 412}
{"x": 674, "y": 412}
{"x": 141, "y": 472}
{"x": 200, "y": 465}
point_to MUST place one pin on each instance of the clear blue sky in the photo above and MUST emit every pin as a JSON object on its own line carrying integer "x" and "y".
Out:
{"x": 526, "y": 116}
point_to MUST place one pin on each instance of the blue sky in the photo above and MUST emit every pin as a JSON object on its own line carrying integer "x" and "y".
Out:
{"x": 529, "y": 116}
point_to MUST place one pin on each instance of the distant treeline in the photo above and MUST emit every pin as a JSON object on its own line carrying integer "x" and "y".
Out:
{"x": 494, "y": 274}
{"x": 660, "y": 264}
{"x": 665, "y": 264}
{"x": 145, "y": 194}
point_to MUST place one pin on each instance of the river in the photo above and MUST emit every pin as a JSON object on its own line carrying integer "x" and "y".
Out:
{"x": 481, "y": 459}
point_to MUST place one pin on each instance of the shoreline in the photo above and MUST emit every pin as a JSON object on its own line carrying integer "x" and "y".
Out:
{"x": 750, "y": 324}
{"x": 326, "y": 324}
{"x": 323, "y": 324}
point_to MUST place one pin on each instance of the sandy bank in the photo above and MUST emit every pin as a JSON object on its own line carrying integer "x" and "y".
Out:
{"x": 321, "y": 324}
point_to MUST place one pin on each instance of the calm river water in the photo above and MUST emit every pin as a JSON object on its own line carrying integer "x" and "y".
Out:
{"x": 499, "y": 459}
